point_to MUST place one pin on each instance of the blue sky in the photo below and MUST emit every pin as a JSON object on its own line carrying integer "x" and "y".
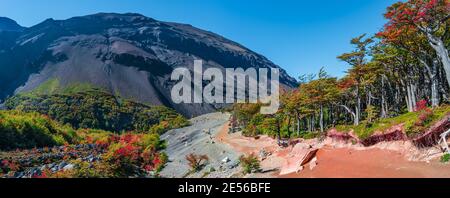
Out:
{"x": 300, "y": 36}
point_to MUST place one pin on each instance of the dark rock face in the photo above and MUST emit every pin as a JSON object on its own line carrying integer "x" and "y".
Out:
{"x": 7, "y": 24}
{"x": 127, "y": 54}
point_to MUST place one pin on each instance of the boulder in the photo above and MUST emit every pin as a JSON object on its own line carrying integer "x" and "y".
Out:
{"x": 225, "y": 160}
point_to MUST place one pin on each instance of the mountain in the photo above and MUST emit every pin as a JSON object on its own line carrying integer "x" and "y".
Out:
{"x": 7, "y": 24}
{"x": 126, "y": 54}
{"x": 9, "y": 31}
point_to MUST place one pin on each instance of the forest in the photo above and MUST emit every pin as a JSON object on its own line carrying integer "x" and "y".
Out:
{"x": 400, "y": 74}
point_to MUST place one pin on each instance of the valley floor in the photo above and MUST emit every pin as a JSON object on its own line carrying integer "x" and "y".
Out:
{"x": 199, "y": 139}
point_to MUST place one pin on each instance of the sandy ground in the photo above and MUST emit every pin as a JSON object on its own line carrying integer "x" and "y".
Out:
{"x": 370, "y": 163}
{"x": 387, "y": 160}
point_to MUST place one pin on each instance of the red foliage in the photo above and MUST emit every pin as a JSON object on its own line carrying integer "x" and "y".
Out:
{"x": 421, "y": 105}
{"x": 42, "y": 175}
{"x": 89, "y": 139}
{"x": 9, "y": 165}
{"x": 5, "y": 162}
{"x": 346, "y": 83}
{"x": 407, "y": 16}
{"x": 424, "y": 117}
{"x": 128, "y": 151}
{"x": 156, "y": 160}
{"x": 129, "y": 138}
{"x": 114, "y": 138}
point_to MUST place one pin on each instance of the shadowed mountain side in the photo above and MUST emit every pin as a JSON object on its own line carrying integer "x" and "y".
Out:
{"x": 127, "y": 54}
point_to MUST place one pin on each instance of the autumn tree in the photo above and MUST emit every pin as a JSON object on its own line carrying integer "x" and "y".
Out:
{"x": 320, "y": 93}
{"x": 430, "y": 18}
{"x": 357, "y": 59}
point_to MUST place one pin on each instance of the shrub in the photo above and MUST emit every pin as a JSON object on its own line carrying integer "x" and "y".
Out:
{"x": 29, "y": 130}
{"x": 424, "y": 118}
{"x": 421, "y": 105}
{"x": 371, "y": 113}
{"x": 250, "y": 164}
{"x": 135, "y": 154}
{"x": 196, "y": 162}
{"x": 445, "y": 158}
{"x": 82, "y": 169}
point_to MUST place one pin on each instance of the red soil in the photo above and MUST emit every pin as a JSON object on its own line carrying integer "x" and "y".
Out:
{"x": 371, "y": 163}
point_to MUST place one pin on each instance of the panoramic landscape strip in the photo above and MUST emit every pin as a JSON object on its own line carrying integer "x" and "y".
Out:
{"x": 112, "y": 95}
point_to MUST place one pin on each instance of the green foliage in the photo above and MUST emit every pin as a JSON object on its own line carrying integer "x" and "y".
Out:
{"x": 270, "y": 127}
{"x": 84, "y": 169}
{"x": 99, "y": 110}
{"x": 254, "y": 127}
{"x": 445, "y": 158}
{"x": 53, "y": 86}
{"x": 250, "y": 164}
{"x": 29, "y": 130}
{"x": 371, "y": 113}
{"x": 306, "y": 135}
{"x": 409, "y": 120}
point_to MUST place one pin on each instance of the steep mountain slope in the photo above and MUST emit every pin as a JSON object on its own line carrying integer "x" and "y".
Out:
{"x": 7, "y": 24}
{"x": 127, "y": 54}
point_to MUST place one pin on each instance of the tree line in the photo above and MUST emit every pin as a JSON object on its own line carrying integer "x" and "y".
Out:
{"x": 392, "y": 72}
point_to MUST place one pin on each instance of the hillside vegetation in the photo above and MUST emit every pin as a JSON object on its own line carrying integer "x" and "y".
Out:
{"x": 29, "y": 130}
{"x": 83, "y": 106}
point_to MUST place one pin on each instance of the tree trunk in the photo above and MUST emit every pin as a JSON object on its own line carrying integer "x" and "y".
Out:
{"x": 308, "y": 120}
{"x": 358, "y": 106}
{"x": 278, "y": 131}
{"x": 289, "y": 126}
{"x": 413, "y": 95}
{"x": 383, "y": 100}
{"x": 321, "y": 119}
{"x": 351, "y": 113}
{"x": 410, "y": 97}
{"x": 438, "y": 45}
{"x": 431, "y": 70}
{"x": 434, "y": 92}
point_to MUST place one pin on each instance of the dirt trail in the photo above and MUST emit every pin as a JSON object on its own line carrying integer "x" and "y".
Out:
{"x": 333, "y": 162}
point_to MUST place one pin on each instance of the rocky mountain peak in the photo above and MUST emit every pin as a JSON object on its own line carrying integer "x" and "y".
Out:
{"x": 7, "y": 24}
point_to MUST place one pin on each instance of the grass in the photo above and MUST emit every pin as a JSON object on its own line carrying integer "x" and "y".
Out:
{"x": 365, "y": 130}
{"x": 53, "y": 86}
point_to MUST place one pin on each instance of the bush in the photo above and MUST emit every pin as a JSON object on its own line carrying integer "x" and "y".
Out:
{"x": 19, "y": 130}
{"x": 196, "y": 162}
{"x": 250, "y": 164}
{"x": 135, "y": 154}
{"x": 445, "y": 158}
{"x": 87, "y": 170}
